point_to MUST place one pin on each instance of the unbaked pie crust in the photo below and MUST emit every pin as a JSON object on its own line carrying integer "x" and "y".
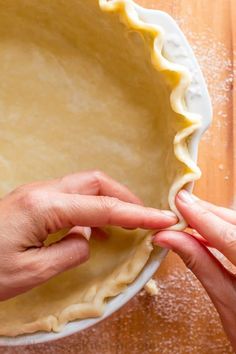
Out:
{"x": 84, "y": 85}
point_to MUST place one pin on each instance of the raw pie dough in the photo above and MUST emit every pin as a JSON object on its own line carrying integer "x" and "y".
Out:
{"x": 82, "y": 87}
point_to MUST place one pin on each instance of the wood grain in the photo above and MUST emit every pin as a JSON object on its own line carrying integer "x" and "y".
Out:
{"x": 181, "y": 318}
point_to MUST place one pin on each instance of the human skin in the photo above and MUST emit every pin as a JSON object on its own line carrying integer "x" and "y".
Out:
{"x": 81, "y": 202}
{"x": 84, "y": 202}
{"x": 214, "y": 227}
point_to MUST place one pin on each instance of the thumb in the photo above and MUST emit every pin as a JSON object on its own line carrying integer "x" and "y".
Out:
{"x": 69, "y": 252}
{"x": 217, "y": 281}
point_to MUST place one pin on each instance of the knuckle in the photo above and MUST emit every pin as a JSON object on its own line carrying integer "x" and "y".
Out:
{"x": 204, "y": 213}
{"x": 98, "y": 175}
{"x": 108, "y": 205}
{"x": 31, "y": 199}
{"x": 190, "y": 261}
{"x": 228, "y": 238}
{"x": 97, "y": 178}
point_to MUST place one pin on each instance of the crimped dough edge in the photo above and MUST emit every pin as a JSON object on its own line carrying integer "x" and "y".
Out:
{"x": 119, "y": 279}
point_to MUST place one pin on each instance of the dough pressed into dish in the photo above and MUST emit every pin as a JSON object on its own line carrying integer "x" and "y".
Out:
{"x": 84, "y": 85}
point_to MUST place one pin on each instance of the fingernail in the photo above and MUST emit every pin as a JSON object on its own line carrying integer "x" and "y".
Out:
{"x": 186, "y": 197}
{"x": 169, "y": 213}
{"x": 87, "y": 232}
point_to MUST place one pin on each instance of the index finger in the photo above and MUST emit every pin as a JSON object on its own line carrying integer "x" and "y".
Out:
{"x": 218, "y": 232}
{"x": 90, "y": 183}
{"x": 69, "y": 210}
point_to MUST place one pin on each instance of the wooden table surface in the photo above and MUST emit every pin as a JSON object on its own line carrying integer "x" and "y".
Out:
{"x": 180, "y": 319}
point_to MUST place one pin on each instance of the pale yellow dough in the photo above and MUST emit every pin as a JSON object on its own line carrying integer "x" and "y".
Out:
{"x": 80, "y": 90}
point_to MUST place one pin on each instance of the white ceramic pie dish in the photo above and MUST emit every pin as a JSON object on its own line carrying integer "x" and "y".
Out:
{"x": 177, "y": 50}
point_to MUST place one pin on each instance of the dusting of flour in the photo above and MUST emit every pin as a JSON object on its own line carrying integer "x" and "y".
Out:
{"x": 172, "y": 321}
{"x": 217, "y": 66}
